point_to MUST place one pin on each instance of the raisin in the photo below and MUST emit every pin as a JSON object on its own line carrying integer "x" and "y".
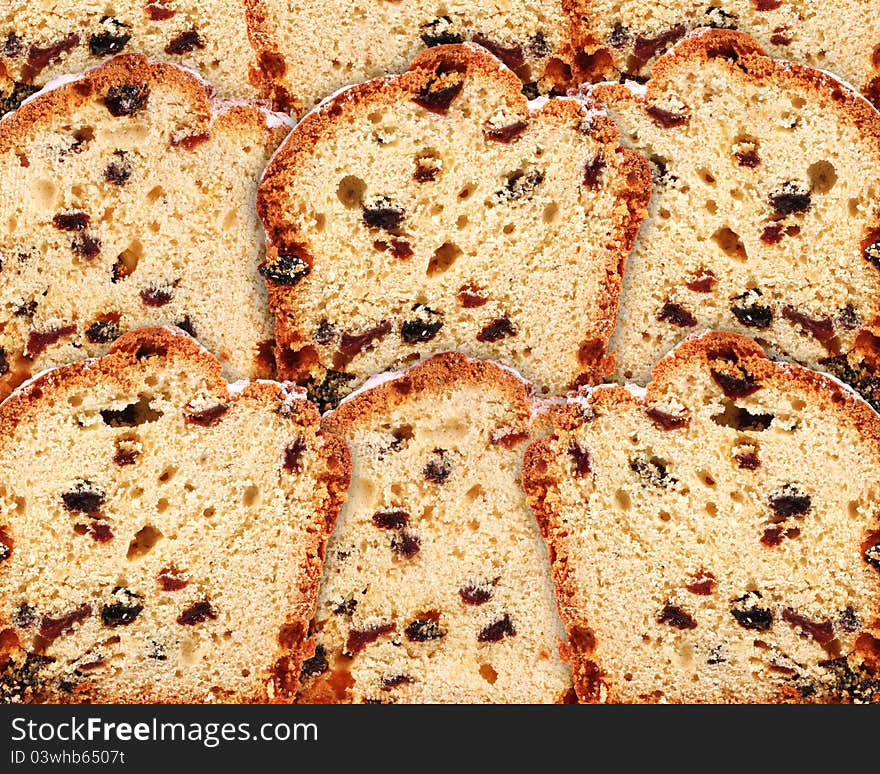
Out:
{"x": 593, "y": 172}
{"x": 119, "y": 614}
{"x": 676, "y": 617}
{"x": 767, "y": 5}
{"x": 52, "y": 628}
{"x": 752, "y": 315}
{"x": 4, "y": 362}
{"x": 324, "y": 334}
{"x": 666, "y": 119}
{"x": 287, "y": 269}
{"x": 715, "y": 656}
{"x": 703, "y": 583}
{"x": 512, "y": 56}
{"x": 580, "y": 458}
{"x": 735, "y": 386}
{"x": 748, "y": 461}
{"x": 71, "y": 221}
{"x": 20, "y": 92}
{"x": 6, "y": 544}
{"x": 521, "y": 184}
{"x": 437, "y": 33}
{"x": 495, "y": 632}
{"x": 157, "y": 295}
{"x": 125, "y": 455}
{"x": 871, "y": 253}
{"x": 327, "y": 393}
{"x": 821, "y": 631}
{"x": 85, "y": 497}
{"x": 424, "y": 629}
{"x": 469, "y": 298}
{"x": 508, "y": 438}
{"x": 317, "y": 664}
{"x": 849, "y": 621}
{"x": 675, "y": 314}
{"x": 848, "y": 318}
{"x": 40, "y": 56}
{"x": 25, "y": 616}
{"x": 358, "y": 639}
{"x": 346, "y": 607}
{"x": 170, "y": 579}
{"x": 197, "y": 613}
{"x": 391, "y": 519}
{"x": 158, "y": 11}
{"x": 496, "y": 330}
{"x": 383, "y": 213}
{"x": 619, "y": 35}
{"x": 400, "y": 248}
{"x": 437, "y": 95}
{"x": 293, "y": 454}
{"x": 118, "y": 171}
{"x": 103, "y": 331}
{"x": 186, "y": 41}
{"x": 748, "y": 158}
{"x": 749, "y": 615}
{"x": 406, "y": 543}
{"x": 351, "y": 345}
{"x": 206, "y": 417}
{"x": 652, "y": 471}
{"x": 660, "y": 173}
{"x": 86, "y": 245}
{"x": 666, "y": 421}
{"x": 107, "y": 43}
{"x": 126, "y": 99}
{"x": 39, "y": 341}
{"x": 790, "y": 198}
{"x": 790, "y": 501}
{"x": 772, "y": 234}
{"x": 438, "y": 468}
{"x": 13, "y": 45}
{"x": 186, "y": 325}
{"x": 425, "y": 328}
{"x": 477, "y": 593}
{"x": 393, "y": 681}
{"x": 507, "y": 133}
{"x": 101, "y": 532}
{"x": 25, "y": 309}
{"x": 871, "y": 550}
{"x": 645, "y": 48}
{"x": 821, "y": 330}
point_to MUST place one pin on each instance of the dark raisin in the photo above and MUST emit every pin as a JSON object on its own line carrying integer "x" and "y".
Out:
{"x": 158, "y": 11}
{"x": 507, "y": 133}
{"x": 748, "y": 461}
{"x": 580, "y": 458}
{"x": 39, "y": 341}
{"x": 170, "y": 579}
{"x": 477, "y": 593}
{"x": 820, "y": 329}
{"x": 85, "y": 497}
{"x": 675, "y": 314}
{"x": 351, "y": 345}
{"x": 437, "y": 94}
{"x": 20, "y": 92}
{"x": 52, "y": 628}
{"x": 735, "y": 386}
{"x": 4, "y": 362}
{"x": 196, "y": 613}
{"x": 498, "y": 329}
{"x": 400, "y": 248}
{"x": 593, "y": 171}
{"x": 345, "y": 607}
{"x": 293, "y": 454}
{"x": 719, "y": 19}
{"x": 101, "y": 532}
{"x": 127, "y": 99}
{"x": 327, "y": 393}
{"x": 157, "y": 295}
{"x": 358, "y": 639}
{"x": 790, "y": 501}
{"x": 71, "y": 221}
{"x": 383, "y": 213}
{"x": 645, "y": 48}
{"x": 86, "y": 245}
{"x": 871, "y": 253}
{"x": 107, "y": 43}
{"x": 666, "y": 421}
{"x": 103, "y": 331}
{"x": 748, "y": 158}
{"x": 521, "y": 184}
{"x": 394, "y": 680}
{"x": 406, "y": 543}
{"x": 118, "y": 171}
{"x": 424, "y": 629}
{"x": 660, "y": 173}
{"x": 531, "y": 90}
{"x": 703, "y": 583}
{"x": 424, "y": 328}
{"x": 848, "y": 620}
{"x": 185, "y": 42}
{"x": 25, "y": 309}
{"x": 848, "y": 318}
{"x": 619, "y": 35}
{"x": 715, "y": 656}
{"x": 790, "y": 198}
{"x": 821, "y": 631}
{"x": 25, "y": 616}
{"x": 495, "y": 632}
{"x": 317, "y": 664}
{"x": 676, "y": 617}
{"x": 438, "y": 33}
{"x": 6, "y": 544}
{"x": 119, "y": 614}
{"x": 438, "y": 468}
{"x": 652, "y": 471}
{"x": 666, "y": 119}
{"x": 539, "y": 46}
{"x": 40, "y": 56}
{"x": 512, "y": 56}
{"x": 287, "y": 269}
{"x": 871, "y": 550}
{"x": 390, "y": 519}
{"x": 749, "y": 614}
{"x": 773, "y": 233}
{"x": 125, "y": 455}
{"x": 13, "y": 45}
{"x": 752, "y": 315}
{"x": 324, "y": 334}
{"x": 206, "y": 417}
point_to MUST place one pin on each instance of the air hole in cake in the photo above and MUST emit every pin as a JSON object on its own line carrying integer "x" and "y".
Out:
{"x": 706, "y": 176}
{"x": 131, "y": 415}
{"x": 351, "y": 191}
{"x": 127, "y": 261}
{"x": 730, "y": 243}
{"x": 551, "y": 213}
{"x": 822, "y": 176}
{"x": 154, "y": 194}
{"x": 443, "y": 259}
{"x": 706, "y": 478}
{"x": 162, "y": 505}
{"x": 251, "y": 496}
{"x": 474, "y": 493}
{"x": 142, "y": 543}
{"x": 622, "y": 500}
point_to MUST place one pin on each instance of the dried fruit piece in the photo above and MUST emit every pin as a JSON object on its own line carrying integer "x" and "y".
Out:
{"x": 470, "y": 298}
{"x": 790, "y": 198}
{"x": 358, "y": 639}
{"x": 39, "y": 341}
{"x": 126, "y": 99}
{"x": 103, "y": 331}
{"x": 425, "y": 628}
{"x": 497, "y": 631}
{"x": 293, "y": 454}
{"x": 119, "y": 169}
{"x": 317, "y": 664}
{"x": 498, "y": 329}
{"x": 735, "y": 386}
{"x": 52, "y": 628}
{"x": 406, "y": 543}
{"x": 351, "y": 345}
{"x": 477, "y": 593}
{"x": 703, "y": 282}
{"x": 512, "y": 56}
{"x": 667, "y": 119}
{"x": 675, "y": 314}
{"x": 120, "y": 614}
{"x": 666, "y": 421}
{"x": 383, "y": 213}
{"x": 86, "y": 246}
{"x": 821, "y": 330}
{"x": 821, "y": 631}
{"x": 205, "y": 417}
{"x": 652, "y": 471}
{"x": 790, "y": 501}
{"x": 158, "y": 295}
{"x": 6, "y": 544}
{"x": 186, "y": 41}
{"x": 158, "y": 11}
{"x": 40, "y": 56}
{"x": 645, "y": 48}
{"x": 593, "y": 171}
{"x": 703, "y": 583}
{"x": 85, "y": 497}
{"x": 71, "y": 221}
{"x": 676, "y": 617}
{"x": 580, "y": 458}
{"x": 170, "y": 579}
{"x": 439, "y": 33}
{"x": 424, "y": 328}
{"x": 287, "y": 269}
{"x": 438, "y": 468}
{"x": 108, "y": 43}
{"x": 393, "y": 681}
{"x": 871, "y": 550}
{"x": 752, "y": 315}
{"x": 390, "y": 519}
{"x": 196, "y": 613}
{"x": 748, "y": 461}
{"x": 439, "y": 92}
{"x": 506, "y": 133}
{"x": 749, "y": 614}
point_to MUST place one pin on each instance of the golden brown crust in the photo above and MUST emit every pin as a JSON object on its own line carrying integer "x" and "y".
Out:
{"x": 130, "y": 353}
{"x": 698, "y": 352}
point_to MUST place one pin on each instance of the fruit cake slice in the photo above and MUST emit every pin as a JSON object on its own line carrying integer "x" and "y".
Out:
{"x": 437, "y": 586}
{"x": 40, "y": 41}
{"x": 765, "y": 217}
{"x": 438, "y": 210}
{"x": 843, "y": 37}
{"x": 310, "y": 51}
{"x": 129, "y": 201}
{"x": 716, "y": 538}
{"x": 150, "y": 551}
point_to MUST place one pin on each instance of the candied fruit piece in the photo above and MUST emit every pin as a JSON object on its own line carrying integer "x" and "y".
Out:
{"x": 196, "y": 613}
{"x": 675, "y": 314}
{"x": 496, "y": 330}
{"x": 821, "y": 631}
{"x": 52, "y": 628}
{"x": 676, "y": 617}
{"x": 186, "y": 41}
{"x": 358, "y": 639}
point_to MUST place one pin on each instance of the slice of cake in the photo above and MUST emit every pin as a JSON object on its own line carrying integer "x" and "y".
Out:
{"x": 439, "y": 210}
{"x": 129, "y": 201}
{"x": 40, "y": 41}
{"x": 843, "y": 37}
{"x": 716, "y": 539}
{"x": 311, "y": 50}
{"x": 765, "y": 217}
{"x": 150, "y": 550}
{"x": 437, "y": 586}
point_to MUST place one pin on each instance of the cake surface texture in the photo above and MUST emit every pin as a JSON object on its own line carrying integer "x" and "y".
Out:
{"x": 41, "y": 40}
{"x": 439, "y": 210}
{"x": 150, "y": 551}
{"x": 715, "y": 538}
{"x": 842, "y": 37}
{"x": 129, "y": 201}
{"x": 309, "y": 50}
{"x": 437, "y": 586}
{"x": 765, "y": 215}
